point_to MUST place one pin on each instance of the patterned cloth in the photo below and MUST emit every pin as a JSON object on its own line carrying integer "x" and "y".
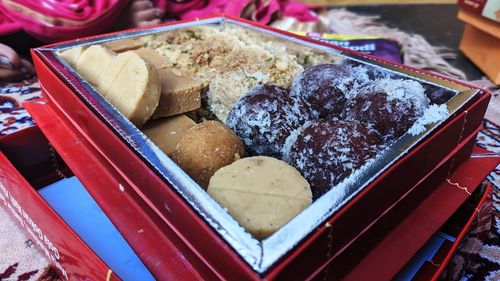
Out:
{"x": 478, "y": 255}
{"x": 13, "y": 117}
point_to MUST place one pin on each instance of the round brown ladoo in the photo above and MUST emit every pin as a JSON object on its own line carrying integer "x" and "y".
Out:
{"x": 205, "y": 148}
{"x": 264, "y": 117}
{"x": 327, "y": 151}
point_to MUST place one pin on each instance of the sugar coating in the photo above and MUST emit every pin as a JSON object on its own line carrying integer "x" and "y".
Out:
{"x": 264, "y": 117}
{"x": 327, "y": 151}
{"x": 391, "y": 106}
{"x": 433, "y": 114}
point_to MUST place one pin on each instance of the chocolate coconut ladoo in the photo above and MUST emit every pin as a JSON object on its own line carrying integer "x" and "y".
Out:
{"x": 205, "y": 148}
{"x": 264, "y": 117}
{"x": 390, "y": 105}
{"x": 327, "y": 151}
{"x": 261, "y": 193}
{"x": 325, "y": 87}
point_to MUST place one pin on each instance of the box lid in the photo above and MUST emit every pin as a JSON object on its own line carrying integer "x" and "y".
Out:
{"x": 486, "y": 8}
{"x": 480, "y": 22}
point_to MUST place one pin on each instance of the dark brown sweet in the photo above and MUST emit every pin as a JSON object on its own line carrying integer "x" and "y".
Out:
{"x": 264, "y": 117}
{"x": 391, "y": 106}
{"x": 327, "y": 151}
{"x": 325, "y": 87}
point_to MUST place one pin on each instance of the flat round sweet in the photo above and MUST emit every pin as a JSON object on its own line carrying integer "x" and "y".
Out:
{"x": 262, "y": 193}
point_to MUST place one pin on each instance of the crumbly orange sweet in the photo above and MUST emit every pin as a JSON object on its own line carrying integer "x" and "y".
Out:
{"x": 229, "y": 63}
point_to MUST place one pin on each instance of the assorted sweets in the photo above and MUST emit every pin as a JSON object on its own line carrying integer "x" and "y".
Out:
{"x": 265, "y": 126}
{"x": 348, "y": 114}
{"x": 135, "y": 80}
{"x": 230, "y": 61}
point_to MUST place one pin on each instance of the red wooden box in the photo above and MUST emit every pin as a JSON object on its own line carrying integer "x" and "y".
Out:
{"x": 179, "y": 231}
{"x": 28, "y": 162}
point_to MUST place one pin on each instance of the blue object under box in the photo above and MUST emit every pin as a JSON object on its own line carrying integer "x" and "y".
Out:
{"x": 79, "y": 210}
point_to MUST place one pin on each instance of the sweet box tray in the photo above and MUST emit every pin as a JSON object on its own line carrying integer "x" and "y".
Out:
{"x": 153, "y": 202}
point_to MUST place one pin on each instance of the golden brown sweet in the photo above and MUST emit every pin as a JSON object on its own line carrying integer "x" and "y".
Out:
{"x": 262, "y": 193}
{"x": 166, "y": 132}
{"x": 123, "y": 45}
{"x": 179, "y": 94}
{"x": 152, "y": 56}
{"x": 205, "y": 148}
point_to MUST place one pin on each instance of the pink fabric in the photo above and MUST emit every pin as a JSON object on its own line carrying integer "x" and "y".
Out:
{"x": 65, "y": 19}
{"x": 8, "y": 25}
{"x": 300, "y": 11}
{"x": 233, "y": 8}
{"x": 58, "y": 20}
{"x": 175, "y": 8}
{"x": 263, "y": 13}
{"x": 78, "y": 10}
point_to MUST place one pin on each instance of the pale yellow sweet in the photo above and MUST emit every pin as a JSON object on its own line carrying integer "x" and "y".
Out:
{"x": 262, "y": 193}
{"x": 135, "y": 91}
{"x": 109, "y": 73}
{"x": 71, "y": 55}
{"x": 92, "y": 61}
{"x": 166, "y": 132}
